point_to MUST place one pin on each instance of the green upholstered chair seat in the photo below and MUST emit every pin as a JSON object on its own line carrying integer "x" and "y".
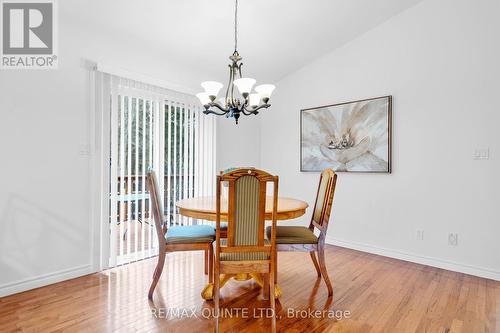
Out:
{"x": 293, "y": 235}
{"x": 190, "y": 234}
{"x": 237, "y": 256}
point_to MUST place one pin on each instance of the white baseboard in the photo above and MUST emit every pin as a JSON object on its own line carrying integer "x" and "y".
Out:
{"x": 43, "y": 280}
{"x": 419, "y": 259}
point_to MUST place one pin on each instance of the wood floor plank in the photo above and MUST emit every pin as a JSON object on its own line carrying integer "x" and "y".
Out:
{"x": 371, "y": 294}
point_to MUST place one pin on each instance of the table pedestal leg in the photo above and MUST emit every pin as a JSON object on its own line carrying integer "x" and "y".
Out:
{"x": 261, "y": 282}
{"x": 208, "y": 292}
{"x": 242, "y": 277}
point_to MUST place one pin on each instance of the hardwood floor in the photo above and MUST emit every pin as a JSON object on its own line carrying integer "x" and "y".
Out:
{"x": 380, "y": 295}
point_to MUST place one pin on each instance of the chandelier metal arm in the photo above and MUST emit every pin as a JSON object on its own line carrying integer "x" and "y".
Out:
{"x": 208, "y": 111}
{"x": 255, "y": 111}
{"x": 214, "y": 104}
{"x": 230, "y": 77}
{"x": 248, "y": 112}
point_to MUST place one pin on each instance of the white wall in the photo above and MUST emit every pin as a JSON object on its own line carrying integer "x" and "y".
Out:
{"x": 238, "y": 145}
{"x": 439, "y": 60}
{"x": 44, "y": 187}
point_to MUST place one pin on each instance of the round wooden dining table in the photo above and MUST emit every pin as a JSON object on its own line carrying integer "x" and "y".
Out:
{"x": 204, "y": 208}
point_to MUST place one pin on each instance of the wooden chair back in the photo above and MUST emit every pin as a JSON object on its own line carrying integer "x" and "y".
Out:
{"x": 324, "y": 200}
{"x": 156, "y": 206}
{"x": 246, "y": 213}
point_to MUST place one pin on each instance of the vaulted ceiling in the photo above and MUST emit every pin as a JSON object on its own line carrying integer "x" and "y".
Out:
{"x": 276, "y": 37}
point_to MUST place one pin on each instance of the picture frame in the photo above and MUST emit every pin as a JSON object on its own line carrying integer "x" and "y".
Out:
{"x": 353, "y": 136}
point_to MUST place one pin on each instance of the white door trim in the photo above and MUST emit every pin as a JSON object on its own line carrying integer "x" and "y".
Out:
{"x": 99, "y": 170}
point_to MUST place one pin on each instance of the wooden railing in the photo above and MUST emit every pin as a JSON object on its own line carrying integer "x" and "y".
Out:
{"x": 130, "y": 188}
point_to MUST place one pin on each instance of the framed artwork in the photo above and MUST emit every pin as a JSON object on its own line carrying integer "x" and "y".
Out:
{"x": 347, "y": 137}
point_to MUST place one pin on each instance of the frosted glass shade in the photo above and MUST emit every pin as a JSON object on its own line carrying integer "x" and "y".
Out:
{"x": 254, "y": 100}
{"x": 244, "y": 85}
{"x": 265, "y": 90}
{"x": 204, "y": 98}
{"x": 212, "y": 88}
{"x": 222, "y": 101}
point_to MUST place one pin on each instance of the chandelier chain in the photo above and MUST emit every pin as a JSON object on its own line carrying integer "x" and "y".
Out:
{"x": 236, "y": 26}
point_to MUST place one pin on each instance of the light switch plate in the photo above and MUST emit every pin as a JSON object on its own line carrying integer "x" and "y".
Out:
{"x": 84, "y": 150}
{"x": 453, "y": 239}
{"x": 481, "y": 154}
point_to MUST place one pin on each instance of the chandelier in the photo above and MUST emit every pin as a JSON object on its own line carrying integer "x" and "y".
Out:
{"x": 235, "y": 104}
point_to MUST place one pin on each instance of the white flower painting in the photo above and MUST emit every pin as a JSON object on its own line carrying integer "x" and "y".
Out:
{"x": 348, "y": 137}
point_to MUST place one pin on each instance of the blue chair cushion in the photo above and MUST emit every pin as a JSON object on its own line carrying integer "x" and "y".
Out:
{"x": 190, "y": 234}
{"x": 223, "y": 225}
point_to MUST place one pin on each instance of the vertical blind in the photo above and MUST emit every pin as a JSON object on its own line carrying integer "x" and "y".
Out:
{"x": 159, "y": 129}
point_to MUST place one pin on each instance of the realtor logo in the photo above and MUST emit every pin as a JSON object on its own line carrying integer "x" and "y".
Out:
{"x": 28, "y": 34}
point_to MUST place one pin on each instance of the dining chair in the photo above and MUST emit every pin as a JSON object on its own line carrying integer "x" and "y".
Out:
{"x": 303, "y": 239}
{"x": 246, "y": 249}
{"x": 177, "y": 238}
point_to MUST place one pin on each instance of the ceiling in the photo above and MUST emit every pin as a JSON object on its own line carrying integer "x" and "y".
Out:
{"x": 276, "y": 37}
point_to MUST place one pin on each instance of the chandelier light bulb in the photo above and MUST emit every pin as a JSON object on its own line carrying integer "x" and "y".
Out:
{"x": 244, "y": 85}
{"x": 212, "y": 88}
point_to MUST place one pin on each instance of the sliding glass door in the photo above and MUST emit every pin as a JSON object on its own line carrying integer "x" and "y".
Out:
{"x": 153, "y": 128}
